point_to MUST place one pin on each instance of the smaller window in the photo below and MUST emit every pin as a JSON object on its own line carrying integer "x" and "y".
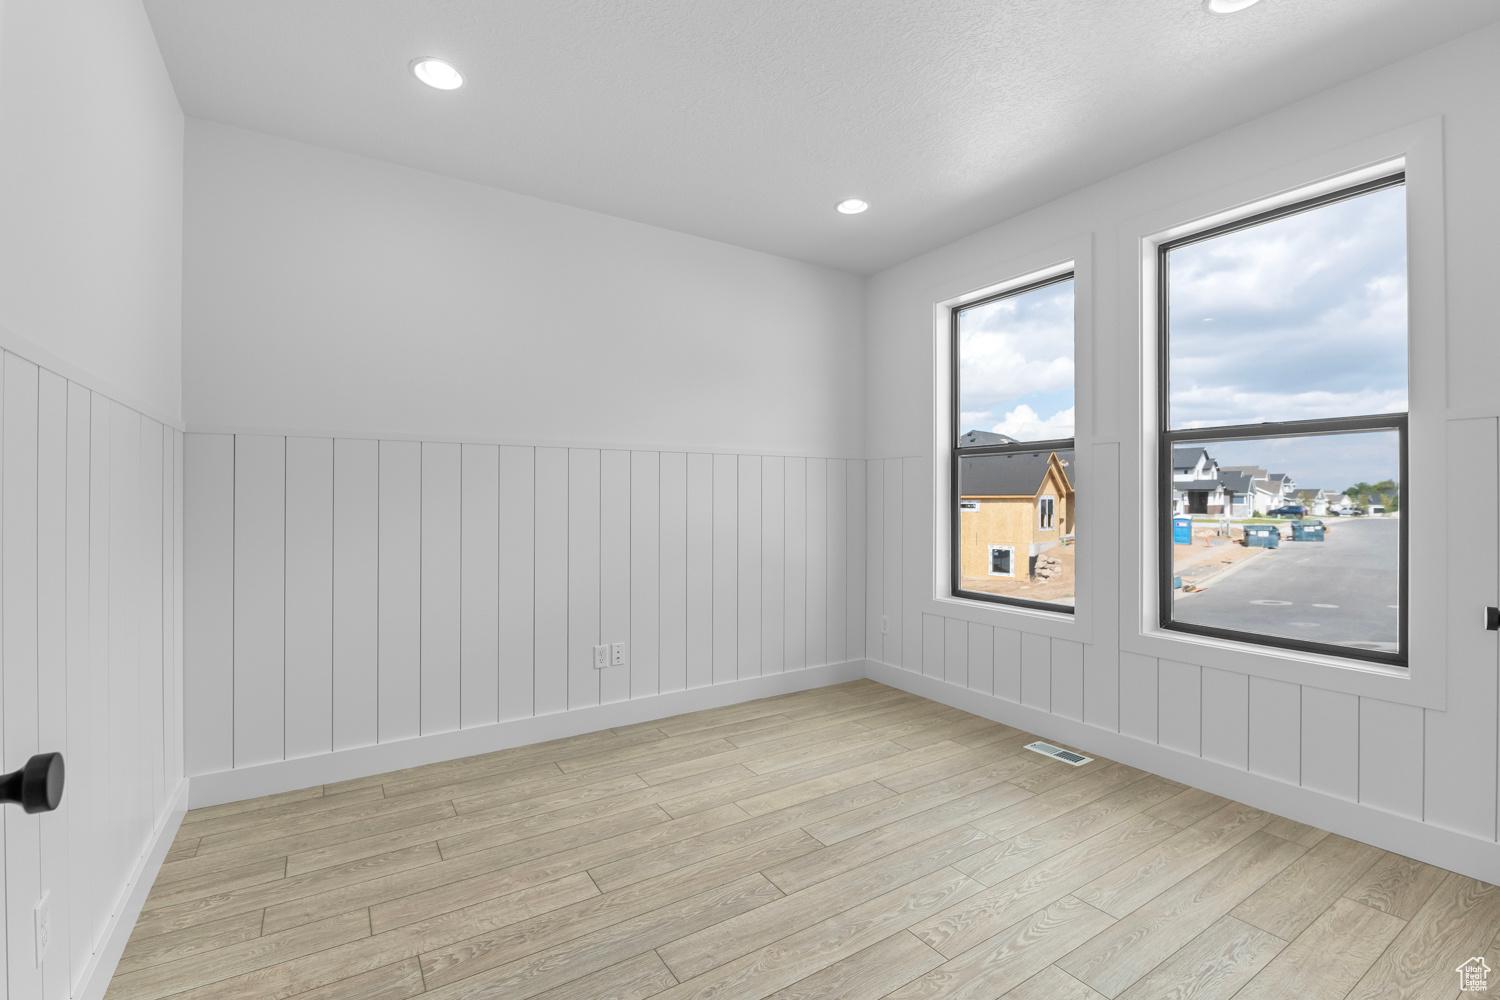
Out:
{"x": 968, "y": 505}
{"x": 1000, "y": 560}
{"x": 1045, "y": 506}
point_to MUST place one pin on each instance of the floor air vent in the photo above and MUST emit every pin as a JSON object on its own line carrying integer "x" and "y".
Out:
{"x": 1066, "y": 756}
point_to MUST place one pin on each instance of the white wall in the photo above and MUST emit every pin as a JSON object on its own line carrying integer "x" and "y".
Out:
{"x": 355, "y": 605}
{"x": 91, "y": 199}
{"x": 90, "y": 476}
{"x": 325, "y": 292}
{"x": 1421, "y": 780}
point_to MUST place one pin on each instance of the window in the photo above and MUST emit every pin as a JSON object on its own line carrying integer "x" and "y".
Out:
{"x": 1013, "y": 455}
{"x": 1283, "y": 379}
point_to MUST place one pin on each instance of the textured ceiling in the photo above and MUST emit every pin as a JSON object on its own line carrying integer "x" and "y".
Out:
{"x": 747, "y": 121}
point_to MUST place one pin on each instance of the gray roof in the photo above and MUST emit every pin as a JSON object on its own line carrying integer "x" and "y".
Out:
{"x": 1015, "y": 474}
{"x": 1186, "y": 457}
{"x": 1278, "y": 477}
{"x": 969, "y": 439}
{"x": 1253, "y": 471}
{"x": 1237, "y": 482}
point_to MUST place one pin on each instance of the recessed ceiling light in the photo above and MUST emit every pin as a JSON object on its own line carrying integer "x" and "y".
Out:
{"x": 1226, "y": 6}
{"x": 436, "y": 73}
{"x": 852, "y": 206}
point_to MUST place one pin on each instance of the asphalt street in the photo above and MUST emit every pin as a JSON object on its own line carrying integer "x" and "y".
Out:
{"x": 1342, "y": 590}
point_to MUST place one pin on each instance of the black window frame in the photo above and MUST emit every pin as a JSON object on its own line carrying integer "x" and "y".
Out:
{"x": 958, "y": 454}
{"x": 1169, "y": 439}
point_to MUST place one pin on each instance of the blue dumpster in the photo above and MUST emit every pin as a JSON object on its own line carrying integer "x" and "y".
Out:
{"x": 1182, "y": 531}
{"x": 1262, "y": 536}
{"x": 1302, "y": 532}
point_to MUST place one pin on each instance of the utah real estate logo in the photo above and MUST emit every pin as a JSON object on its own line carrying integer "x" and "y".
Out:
{"x": 1474, "y": 975}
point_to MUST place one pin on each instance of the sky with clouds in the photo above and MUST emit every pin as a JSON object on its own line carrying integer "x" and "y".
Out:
{"x": 1300, "y": 318}
{"x": 1016, "y": 365}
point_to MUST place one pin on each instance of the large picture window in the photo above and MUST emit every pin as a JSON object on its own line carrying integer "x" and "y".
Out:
{"x": 1013, "y": 456}
{"x": 1283, "y": 398}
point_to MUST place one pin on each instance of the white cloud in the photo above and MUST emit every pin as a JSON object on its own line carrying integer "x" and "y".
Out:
{"x": 1024, "y": 424}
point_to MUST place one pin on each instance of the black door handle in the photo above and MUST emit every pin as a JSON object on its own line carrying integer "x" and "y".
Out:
{"x": 37, "y": 787}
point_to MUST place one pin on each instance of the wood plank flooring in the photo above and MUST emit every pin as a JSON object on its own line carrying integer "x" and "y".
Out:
{"x": 849, "y": 842}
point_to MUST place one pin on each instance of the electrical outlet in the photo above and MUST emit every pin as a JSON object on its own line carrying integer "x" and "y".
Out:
{"x": 601, "y": 657}
{"x": 617, "y": 655}
{"x": 43, "y": 914}
{"x": 885, "y": 625}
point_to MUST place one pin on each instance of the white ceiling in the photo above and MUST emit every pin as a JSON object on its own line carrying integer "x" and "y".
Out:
{"x": 747, "y": 121}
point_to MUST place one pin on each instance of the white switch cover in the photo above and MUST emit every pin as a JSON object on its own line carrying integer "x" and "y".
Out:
{"x": 617, "y": 655}
{"x": 43, "y": 914}
{"x": 601, "y": 657}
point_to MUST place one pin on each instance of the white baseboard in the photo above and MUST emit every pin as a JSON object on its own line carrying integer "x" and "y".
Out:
{"x": 1424, "y": 841}
{"x": 359, "y": 762}
{"x": 101, "y": 967}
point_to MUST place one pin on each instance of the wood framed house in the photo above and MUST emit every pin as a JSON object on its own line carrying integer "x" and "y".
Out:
{"x": 1013, "y": 508}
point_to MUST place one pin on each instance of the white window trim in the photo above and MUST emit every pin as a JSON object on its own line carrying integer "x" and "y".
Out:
{"x": 1052, "y": 500}
{"x": 1095, "y": 465}
{"x": 1416, "y": 149}
{"x": 1003, "y": 548}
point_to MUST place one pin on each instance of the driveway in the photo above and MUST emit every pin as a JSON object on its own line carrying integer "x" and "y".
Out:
{"x": 1343, "y": 590}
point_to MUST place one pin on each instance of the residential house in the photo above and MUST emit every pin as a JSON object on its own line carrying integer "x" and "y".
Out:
{"x": 1316, "y": 501}
{"x": 1013, "y": 507}
{"x": 1196, "y": 485}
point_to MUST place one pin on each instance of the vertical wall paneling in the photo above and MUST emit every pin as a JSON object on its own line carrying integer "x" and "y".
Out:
{"x": 794, "y": 590}
{"x": 124, "y": 631}
{"x": 1180, "y": 690}
{"x": 179, "y": 448}
{"x": 356, "y": 587}
{"x": 551, "y": 586}
{"x": 84, "y": 743}
{"x": 956, "y": 651}
{"x": 440, "y": 575}
{"x": 309, "y": 596}
{"x": 517, "y": 621}
{"x": 1007, "y": 668}
{"x": 1138, "y": 702}
{"x": 817, "y": 561}
{"x": 1463, "y": 798}
{"x": 1391, "y": 763}
{"x": 892, "y": 489}
{"x": 217, "y": 685}
{"x": 171, "y": 685}
{"x": 931, "y": 630}
{"x": 726, "y": 571}
{"x": 700, "y": 570}
{"x": 981, "y": 658}
{"x": 1036, "y": 671}
{"x": 672, "y": 610}
{"x": 583, "y": 576}
{"x": 1330, "y": 743}
{"x": 645, "y": 573}
{"x": 1067, "y": 679}
{"x": 1101, "y": 658}
{"x": 479, "y": 586}
{"x": 614, "y": 571}
{"x": 838, "y": 539}
{"x": 150, "y": 639}
{"x": 874, "y": 559}
{"x": 1276, "y": 729}
{"x": 772, "y": 564}
{"x": 399, "y": 698}
{"x": 259, "y": 599}
{"x": 748, "y": 564}
{"x": 18, "y": 658}
{"x": 1226, "y": 717}
{"x": 916, "y": 558}
{"x": 854, "y": 569}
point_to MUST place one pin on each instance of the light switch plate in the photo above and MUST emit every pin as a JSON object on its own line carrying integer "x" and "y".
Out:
{"x": 617, "y": 655}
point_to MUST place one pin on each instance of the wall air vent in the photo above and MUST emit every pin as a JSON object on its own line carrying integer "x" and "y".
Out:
{"x": 1058, "y": 753}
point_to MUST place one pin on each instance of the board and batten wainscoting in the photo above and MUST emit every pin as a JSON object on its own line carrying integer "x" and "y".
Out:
{"x": 1371, "y": 770}
{"x": 359, "y": 605}
{"x": 90, "y": 598}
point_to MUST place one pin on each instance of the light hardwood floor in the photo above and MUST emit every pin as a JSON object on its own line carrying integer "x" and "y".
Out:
{"x": 851, "y": 842}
